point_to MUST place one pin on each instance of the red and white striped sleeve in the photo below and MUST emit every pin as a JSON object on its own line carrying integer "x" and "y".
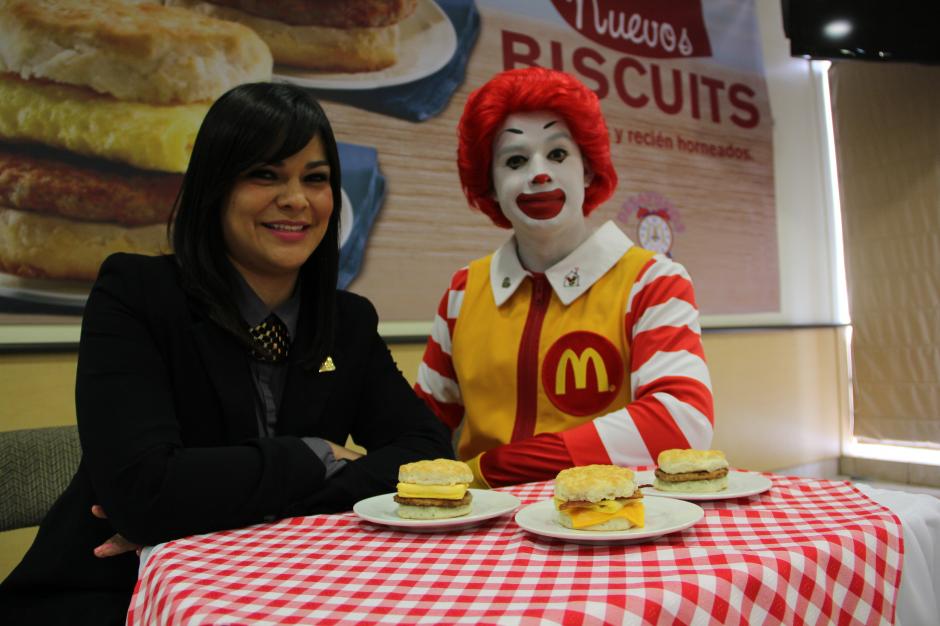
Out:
{"x": 437, "y": 381}
{"x": 671, "y": 404}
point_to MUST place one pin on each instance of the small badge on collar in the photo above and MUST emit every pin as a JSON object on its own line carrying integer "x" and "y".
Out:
{"x": 572, "y": 278}
{"x": 327, "y": 365}
{"x": 506, "y": 282}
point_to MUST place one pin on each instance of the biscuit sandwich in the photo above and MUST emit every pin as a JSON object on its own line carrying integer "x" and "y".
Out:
{"x": 693, "y": 471}
{"x": 436, "y": 489}
{"x": 100, "y": 103}
{"x": 598, "y": 497}
{"x": 321, "y": 35}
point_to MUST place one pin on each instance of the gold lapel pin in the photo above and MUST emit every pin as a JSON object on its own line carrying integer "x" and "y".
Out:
{"x": 327, "y": 365}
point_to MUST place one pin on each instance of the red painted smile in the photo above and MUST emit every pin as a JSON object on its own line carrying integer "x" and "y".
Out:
{"x": 541, "y": 206}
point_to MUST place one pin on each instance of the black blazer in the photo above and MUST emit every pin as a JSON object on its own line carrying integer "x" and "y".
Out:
{"x": 166, "y": 417}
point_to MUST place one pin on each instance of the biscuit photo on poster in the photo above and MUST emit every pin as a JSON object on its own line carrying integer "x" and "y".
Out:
{"x": 322, "y": 35}
{"x": 100, "y": 102}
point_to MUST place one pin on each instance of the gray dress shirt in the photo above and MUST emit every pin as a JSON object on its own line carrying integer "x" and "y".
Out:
{"x": 269, "y": 378}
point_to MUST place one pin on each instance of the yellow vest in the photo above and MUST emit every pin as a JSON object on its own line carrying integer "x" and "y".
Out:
{"x": 583, "y": 365}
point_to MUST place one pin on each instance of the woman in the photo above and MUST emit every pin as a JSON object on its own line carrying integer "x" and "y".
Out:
{"x": 190, "y": 420}
{"x": 595, "y": 348}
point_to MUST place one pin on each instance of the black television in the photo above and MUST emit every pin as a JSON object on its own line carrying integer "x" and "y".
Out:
{"x": 872, "y": 30}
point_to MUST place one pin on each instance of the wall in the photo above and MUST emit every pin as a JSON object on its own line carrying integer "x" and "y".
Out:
{"x": 780, "y": 394}
{"x": 778, "y": 400}
{"x": 37, "y": 391}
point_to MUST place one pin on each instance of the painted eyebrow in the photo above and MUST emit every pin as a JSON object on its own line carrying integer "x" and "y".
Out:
{"x": 512, "y": 147}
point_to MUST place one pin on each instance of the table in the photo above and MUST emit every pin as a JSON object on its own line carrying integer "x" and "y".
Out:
{"x": 806, "y": 551}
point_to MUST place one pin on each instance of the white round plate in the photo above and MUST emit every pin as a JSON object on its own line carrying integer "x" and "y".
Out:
{"x": 486, "y": 505}
{"x": 44, "y": 291}
{"x": 427, "y": 41}
{"x": 740, "y": 485}
{"x": 662, "y": 516}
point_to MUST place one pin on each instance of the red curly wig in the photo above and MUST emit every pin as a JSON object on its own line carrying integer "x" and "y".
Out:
{"x": 523, "y": 90}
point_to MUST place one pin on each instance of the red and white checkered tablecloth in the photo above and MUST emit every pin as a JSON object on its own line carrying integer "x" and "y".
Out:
{"x": 805, "y": 552}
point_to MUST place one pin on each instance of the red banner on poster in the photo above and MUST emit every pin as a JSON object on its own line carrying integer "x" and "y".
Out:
{"x": 646, "y": 28}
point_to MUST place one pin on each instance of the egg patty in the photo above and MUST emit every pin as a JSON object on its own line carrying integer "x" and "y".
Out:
{"x": 148, "y": 136}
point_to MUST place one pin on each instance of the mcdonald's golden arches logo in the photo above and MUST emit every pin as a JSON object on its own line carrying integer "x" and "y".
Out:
{"x": 582, "y": 373}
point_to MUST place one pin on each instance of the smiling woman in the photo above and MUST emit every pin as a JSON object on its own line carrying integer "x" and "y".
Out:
{"x": 213, "y": 384}
{"x": 275, "y": 217}
{"x": 265, "y": 162}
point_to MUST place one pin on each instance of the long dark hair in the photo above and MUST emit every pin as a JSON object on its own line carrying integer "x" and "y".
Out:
{"x": 250, "y": 124}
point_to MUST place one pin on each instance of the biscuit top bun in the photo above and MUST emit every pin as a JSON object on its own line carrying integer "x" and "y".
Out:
{"x": 143, "y": 52}
{"x": 678, "y": 461}
{"x": 436, "y": 472}
{"x": 593, "y": 483}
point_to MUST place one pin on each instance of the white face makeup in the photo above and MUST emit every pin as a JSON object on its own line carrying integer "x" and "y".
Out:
{"x": 538, "y": 173}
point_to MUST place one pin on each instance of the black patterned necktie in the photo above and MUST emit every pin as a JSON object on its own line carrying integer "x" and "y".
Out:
{"x": 271, "y": 335}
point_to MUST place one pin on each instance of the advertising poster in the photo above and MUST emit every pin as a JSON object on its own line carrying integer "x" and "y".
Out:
{"x": 87, "y": 168}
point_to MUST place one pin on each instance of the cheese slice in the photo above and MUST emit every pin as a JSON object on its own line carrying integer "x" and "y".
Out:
{"x": 148, "y": 136}
{"x": 606, "y": 510}
{"x": 444, "y": 492}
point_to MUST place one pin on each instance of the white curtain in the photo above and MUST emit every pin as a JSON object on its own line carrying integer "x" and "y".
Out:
{"x": 887, "y": 131}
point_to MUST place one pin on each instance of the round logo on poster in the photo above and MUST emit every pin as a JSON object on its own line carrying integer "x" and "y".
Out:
{"x": 582, "y": 373}
{"x": 655, "y": 233}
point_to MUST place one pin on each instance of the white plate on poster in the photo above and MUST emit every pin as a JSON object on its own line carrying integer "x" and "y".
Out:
{"x": 346, "y": 218}
{"x": 486, "y": 505}
{"x": 740, "y": 485}
{"x": 44, "y": 291}
{"x": 662, "y": 517}
{"x": 427, "y": 41}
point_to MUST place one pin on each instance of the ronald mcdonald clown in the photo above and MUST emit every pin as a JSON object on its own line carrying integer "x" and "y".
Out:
{"x": 567, "y": 346}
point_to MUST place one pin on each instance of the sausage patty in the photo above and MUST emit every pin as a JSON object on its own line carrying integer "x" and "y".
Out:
{"x": 678, "y": 478}
{"x": 40, "y": 180}
{"x": 344, "y": 14}
{"x": 435, "y": 501}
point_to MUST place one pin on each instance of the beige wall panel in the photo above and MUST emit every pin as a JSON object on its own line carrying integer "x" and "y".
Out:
{"x": 37, "y": 389}
{"x": 773, "y": 386}
{"x": 408, "y": 356}
{"x": 13, "y": 545}
{"x": 780, "y": 396}
{"x": 778, "y": 400}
